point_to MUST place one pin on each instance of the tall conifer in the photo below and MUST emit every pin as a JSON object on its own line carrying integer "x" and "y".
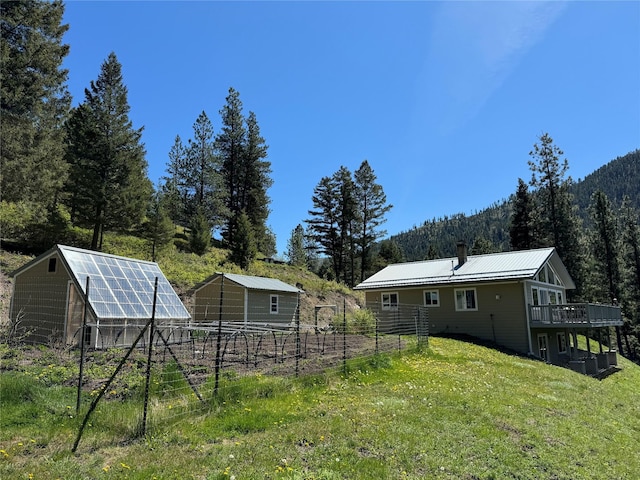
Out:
{"x": 34, "y": 100}
{"x": 558, "y": 223}
{"x": 521, "y": 232}
{"x": 371, "y": 206}
{"x": 110, "y": 187}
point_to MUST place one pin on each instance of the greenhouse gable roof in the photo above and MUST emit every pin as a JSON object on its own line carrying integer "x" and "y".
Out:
{"x": 119, "y": 287}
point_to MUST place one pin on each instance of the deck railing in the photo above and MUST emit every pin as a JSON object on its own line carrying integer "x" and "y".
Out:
{"x": 575, "y": 314}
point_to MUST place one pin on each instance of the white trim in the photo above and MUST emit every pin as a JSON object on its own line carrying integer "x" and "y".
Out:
{"x": 390, "y": 305}
{"x": 465, "y": 290}
{"x": 246, "y": 308}
{"x": 66, "y": 312}
{"x": 526, "y": 287}
{"x": 271, "y": 303}
{"x": 424, "y": 298}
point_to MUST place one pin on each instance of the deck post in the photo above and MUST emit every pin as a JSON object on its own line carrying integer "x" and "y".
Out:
{"x": 600, "y": 339}
{"x": 574, "y": 354}
{"x": 588, "y": 343}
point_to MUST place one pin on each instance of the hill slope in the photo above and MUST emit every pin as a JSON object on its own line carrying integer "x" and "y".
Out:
{"x": 456, "y": 410}
{"x": 616, "y": 179}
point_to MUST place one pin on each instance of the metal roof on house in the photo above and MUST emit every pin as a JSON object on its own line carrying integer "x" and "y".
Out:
{"x": 251, "y": 282}
{"x": 119, "y": 287}
{"x": 505, "y": 266}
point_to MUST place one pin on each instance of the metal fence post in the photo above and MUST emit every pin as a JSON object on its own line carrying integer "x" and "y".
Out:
{"x": 219, "y": 339}
{"x": 298, "y": 336}
{"x": 344, "y": 335}
{"x": 149, "y": 359}
{"x": 377, "y": 334}
{"x": 82, "y": 335}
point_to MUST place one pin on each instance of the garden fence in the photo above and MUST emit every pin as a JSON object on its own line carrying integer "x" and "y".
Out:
{"x": 177, "y": 368}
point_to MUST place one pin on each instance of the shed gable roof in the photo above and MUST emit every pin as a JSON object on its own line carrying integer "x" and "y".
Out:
{"x": 252, "y": 282}
{"x": 505, "y": 266}
{"x": 119, "y": 287}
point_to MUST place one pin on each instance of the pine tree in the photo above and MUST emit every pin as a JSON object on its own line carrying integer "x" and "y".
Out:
{"x": 109, "y": 186}
{"x": 334, "y": 221}
{"x": 631, "y": 263}
{"x": 323, "y": 227}
{"x": 34, "y": 101}
{"x": 389, "y": 252}
{"x": 521, "y": 232}
{"x": 482, "y": 246}
{"x": 158, "y": 228}
{"x": 257, "y": 180}
{"x": 557, "y": 222}
{"x": 243, "y": 244}
{"x": 175, "y": 189}
{"x": 200, "y": 233}
{"x": 605, "y": 246}
{"x": 203, "y": 173}
{"x": 230, "y": 145}
{"x": 295, "y": 248}
{"x": 371, "y": 207}
{"x": 347, "y": 219}
{"x": 432, "y": 253}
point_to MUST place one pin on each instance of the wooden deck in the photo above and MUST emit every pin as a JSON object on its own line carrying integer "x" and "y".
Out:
{"x": 585, "y": 315}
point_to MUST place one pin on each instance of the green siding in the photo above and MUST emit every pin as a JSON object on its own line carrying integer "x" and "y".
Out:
{"x": 207, "y": 304}
{"x": 40, "y": 301}
{"x": 501, "y": 320}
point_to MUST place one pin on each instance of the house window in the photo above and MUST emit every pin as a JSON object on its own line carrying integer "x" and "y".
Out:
{"x": 274, "y": 304}
{"x": 390, "y": 301}
{"x": 466, "y": 299}
{"x": 562, "y": 343}
{"x": 52, "y": 265}
{"x": 542, "y": 276}
{"x": 431, "y": 298}
{"x": 543, "y": 296}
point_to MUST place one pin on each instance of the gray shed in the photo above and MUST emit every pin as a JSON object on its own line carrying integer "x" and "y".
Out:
{"x": 245, "y": 300}
{"x": 48, "y": 301}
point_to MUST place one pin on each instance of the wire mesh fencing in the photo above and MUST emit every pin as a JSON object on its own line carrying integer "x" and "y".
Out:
{"x": 173, "y": 368}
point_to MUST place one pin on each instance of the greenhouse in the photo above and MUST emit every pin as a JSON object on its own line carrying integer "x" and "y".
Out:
{"x": 48, "y": 303}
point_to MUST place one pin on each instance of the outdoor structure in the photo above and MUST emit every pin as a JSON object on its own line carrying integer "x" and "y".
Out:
{"x": 244, "y": 300}
{"x": 514, "y": 299}
{"x": 49, "y": 298}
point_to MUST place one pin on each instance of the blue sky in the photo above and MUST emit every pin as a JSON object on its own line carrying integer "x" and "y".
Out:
{"x": 444, "y": 99}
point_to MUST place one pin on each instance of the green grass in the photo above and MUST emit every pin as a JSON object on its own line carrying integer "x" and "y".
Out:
{"x": 452, "y": 411}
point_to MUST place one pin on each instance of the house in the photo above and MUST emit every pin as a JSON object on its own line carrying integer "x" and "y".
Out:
{"x": 48, "y": 303}
{"x": 514, "y": 299}
{"x": 245, "y": 300}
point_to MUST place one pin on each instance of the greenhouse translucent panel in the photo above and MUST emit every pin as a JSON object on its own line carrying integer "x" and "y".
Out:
{"x": 122, "y": 287}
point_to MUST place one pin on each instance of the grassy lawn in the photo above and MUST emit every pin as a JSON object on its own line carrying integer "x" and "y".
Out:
{"x": 455, "y": 410}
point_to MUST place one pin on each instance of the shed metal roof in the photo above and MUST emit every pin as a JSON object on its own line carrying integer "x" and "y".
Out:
{"x": 119, "y": 287}
{"x": 505, "y": 266}
{"x": 251, "y": 282}
{"x": 261, "y": 283}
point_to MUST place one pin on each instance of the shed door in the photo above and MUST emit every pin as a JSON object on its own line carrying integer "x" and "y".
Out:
{"x": 75, "y": 310}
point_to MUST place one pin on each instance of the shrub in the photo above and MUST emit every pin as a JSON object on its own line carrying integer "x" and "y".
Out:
{"x": 358, "y": 322}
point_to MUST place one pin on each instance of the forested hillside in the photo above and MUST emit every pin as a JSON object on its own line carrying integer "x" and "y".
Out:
{"x": 488, "y": 230}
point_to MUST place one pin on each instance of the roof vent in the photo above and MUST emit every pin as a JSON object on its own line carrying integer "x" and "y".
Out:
{"x": 462, "y": 253}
